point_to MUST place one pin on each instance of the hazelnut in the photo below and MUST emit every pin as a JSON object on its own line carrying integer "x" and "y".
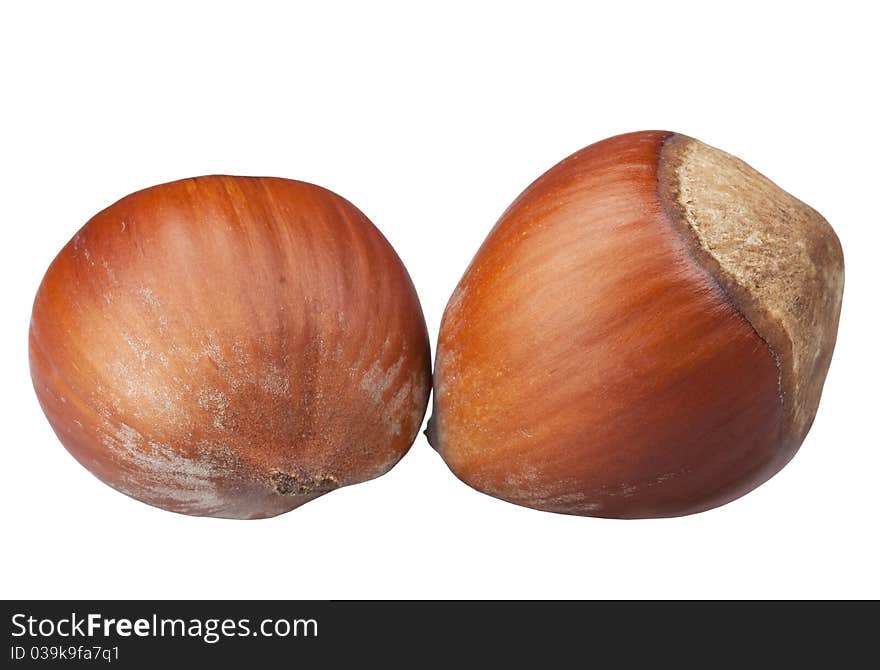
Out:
{"x": 644, "y": 333}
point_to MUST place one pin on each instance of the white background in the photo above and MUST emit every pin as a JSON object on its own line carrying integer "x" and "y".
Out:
{"x": 432, "y": 120}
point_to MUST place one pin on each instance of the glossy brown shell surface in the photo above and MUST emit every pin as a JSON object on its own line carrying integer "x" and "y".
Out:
{"x": 231, "y": 346}
{"x": 589, "y": 364}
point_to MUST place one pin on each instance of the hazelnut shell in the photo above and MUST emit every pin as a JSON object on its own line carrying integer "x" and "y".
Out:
{"x": 644, "y": 333}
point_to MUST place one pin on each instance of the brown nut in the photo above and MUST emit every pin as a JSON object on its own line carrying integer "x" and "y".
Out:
{"x": 644, "y": 333}
{"x": 231, "y": 346}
